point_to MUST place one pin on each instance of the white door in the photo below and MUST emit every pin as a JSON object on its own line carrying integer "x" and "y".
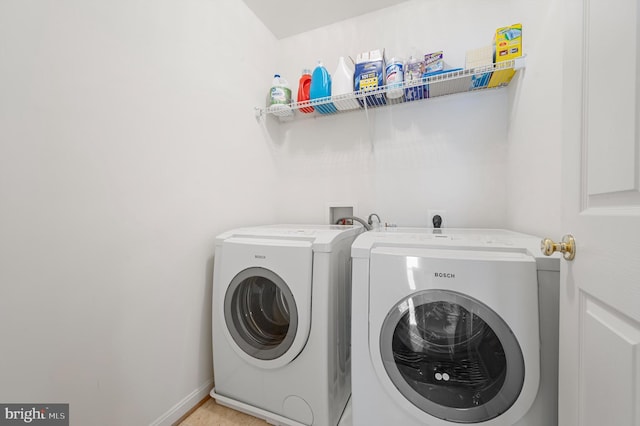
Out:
{"x": 600, "y": 289}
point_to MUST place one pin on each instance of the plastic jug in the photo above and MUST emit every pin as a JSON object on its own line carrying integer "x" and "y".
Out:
{"x": 280, "y": 97}
{"x": 321, "y": 88}
{"x": 304, "y": 88}
{"x": 342, "y": 85}
{"x": 395, "y": 77}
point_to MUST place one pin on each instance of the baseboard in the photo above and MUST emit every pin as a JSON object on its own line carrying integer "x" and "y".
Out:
{"x": 192, "y": 410}
{"x": 176, "y": 412}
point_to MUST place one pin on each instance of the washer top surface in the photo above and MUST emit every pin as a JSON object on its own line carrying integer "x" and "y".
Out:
{"x": 453, "y": 238}
{"x": 322, "y": 237}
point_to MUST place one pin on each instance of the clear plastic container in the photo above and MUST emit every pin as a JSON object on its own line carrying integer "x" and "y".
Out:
{"x": 413, "y": 76}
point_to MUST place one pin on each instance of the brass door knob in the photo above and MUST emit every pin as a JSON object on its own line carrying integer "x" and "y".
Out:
{"x": 567, "y": 247}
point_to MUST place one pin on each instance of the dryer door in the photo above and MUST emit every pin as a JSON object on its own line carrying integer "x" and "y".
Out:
{"x": 452, "y": 356}
{"x": 262, "y": 298}
{"x": 261, "y": 313}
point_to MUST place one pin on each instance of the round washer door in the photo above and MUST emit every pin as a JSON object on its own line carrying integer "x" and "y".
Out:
{"x": 261, "y": 313}
{"x": 452, "y": 356}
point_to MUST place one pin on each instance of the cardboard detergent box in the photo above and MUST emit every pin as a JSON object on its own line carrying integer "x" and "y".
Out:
{"x": 507, "y": 46}
{"x": 480, "y": 59}
{"x": 434, "y": 62}
{"x": 369, "y": 77}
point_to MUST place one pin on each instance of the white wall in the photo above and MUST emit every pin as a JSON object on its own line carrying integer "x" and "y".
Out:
{"x": 127, "y": 142}
{"x": 461, "y": 153}
{"x": 535, "y": 132}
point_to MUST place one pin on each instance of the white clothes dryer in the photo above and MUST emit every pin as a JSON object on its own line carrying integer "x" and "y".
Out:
{"x": 453, "y": 327}
{"x": 281, "y": 322}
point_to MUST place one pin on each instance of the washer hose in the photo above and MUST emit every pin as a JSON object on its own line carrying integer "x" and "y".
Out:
{"x": 357, "y": 219}
{"x": 370, "y": 219}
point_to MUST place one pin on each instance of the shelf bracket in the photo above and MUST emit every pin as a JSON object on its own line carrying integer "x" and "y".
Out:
{"x": 518, "y": 63}
{"x": 259, "y": 112}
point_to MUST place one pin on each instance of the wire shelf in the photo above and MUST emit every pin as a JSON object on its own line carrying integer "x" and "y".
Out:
{"x": 448, "y": 83}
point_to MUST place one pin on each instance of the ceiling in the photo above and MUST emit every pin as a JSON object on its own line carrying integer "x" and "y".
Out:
{"x": 289, "y": 17}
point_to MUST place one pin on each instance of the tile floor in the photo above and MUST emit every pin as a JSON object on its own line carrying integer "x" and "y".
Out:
{"x": 212, "y": 414}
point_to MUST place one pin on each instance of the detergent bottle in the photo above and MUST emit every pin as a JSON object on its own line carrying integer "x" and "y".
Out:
{"x": 343, "y": 85}
{"x": 321, "y": 88}
{"x": 304, "y": 88}
{"x": 280, "y": 97}
{"x": 394, "y": 78}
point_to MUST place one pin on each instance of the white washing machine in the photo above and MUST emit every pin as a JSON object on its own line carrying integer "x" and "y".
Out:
{"x": 458, "y": 326}
{"x": 281, "y": 322}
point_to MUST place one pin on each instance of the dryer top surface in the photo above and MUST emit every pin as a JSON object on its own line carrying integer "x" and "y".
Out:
{"x": 454, "y": 238}
{"x": 322, "y": 237}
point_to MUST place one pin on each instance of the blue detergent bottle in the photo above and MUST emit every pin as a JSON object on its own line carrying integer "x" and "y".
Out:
{"x": 321, "y": 88}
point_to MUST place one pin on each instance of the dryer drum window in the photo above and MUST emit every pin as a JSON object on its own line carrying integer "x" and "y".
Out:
{"x": 261, "y": 313}
{"x": 452, "y": 356}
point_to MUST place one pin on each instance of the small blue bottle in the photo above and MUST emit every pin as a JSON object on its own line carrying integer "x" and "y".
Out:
{"x": 321, "y": 88}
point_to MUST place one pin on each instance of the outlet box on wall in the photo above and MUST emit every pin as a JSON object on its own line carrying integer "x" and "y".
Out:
{"x": 433, "y": 212}
{"x": 337, "y": 210}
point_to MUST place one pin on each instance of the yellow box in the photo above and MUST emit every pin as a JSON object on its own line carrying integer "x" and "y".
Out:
{"x": 507, "y": 46}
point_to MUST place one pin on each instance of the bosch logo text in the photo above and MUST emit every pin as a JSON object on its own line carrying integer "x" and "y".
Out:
{"x": 444, "y": 275}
